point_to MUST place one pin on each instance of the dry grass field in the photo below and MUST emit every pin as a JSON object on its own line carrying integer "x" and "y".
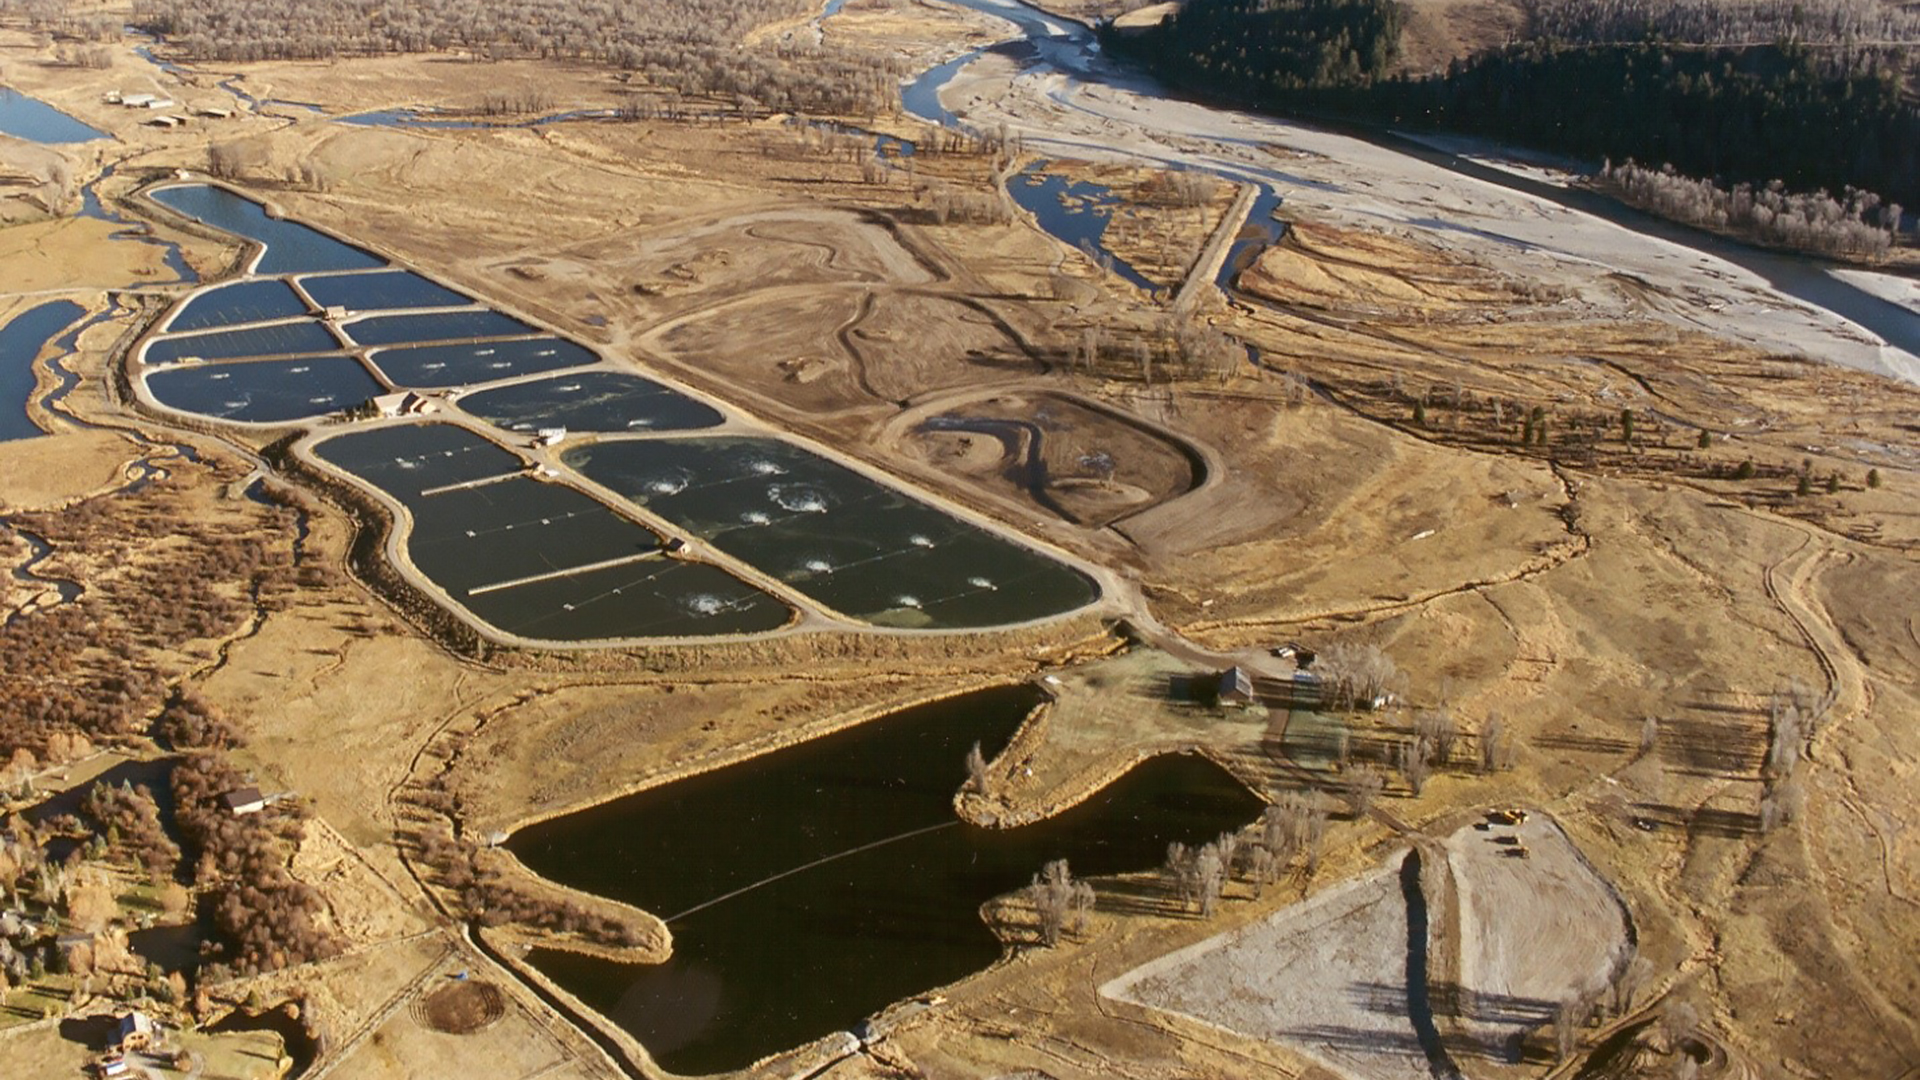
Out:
{"x": 1366, "y": 479}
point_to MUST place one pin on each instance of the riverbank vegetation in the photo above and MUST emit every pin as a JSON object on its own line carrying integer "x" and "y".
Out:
{"x": 1860, "y": 226}
{"x": 1814, "y": 95}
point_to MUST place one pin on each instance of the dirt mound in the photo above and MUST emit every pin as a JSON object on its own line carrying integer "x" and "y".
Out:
{"x": 461, "y": 1008}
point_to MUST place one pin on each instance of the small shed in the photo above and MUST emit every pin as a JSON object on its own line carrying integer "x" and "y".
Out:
{"x": 404, "y": 403}
{"x": 246, "y": 800}
{"x": 1235, "y": 688}
{"x": 165, "y": 122}
{"x": 212, "y": 112}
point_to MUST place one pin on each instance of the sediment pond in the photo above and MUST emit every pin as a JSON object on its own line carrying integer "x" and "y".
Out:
{"x": 858, "y": 546}
{"x": 811, "y": 887}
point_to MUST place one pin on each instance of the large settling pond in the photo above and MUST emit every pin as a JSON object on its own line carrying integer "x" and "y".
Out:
{"x": 290, "y": 247}
{"x": 538, "y": 558}
{"x": 855, "y": 545}
{"x": 810, "y": 888}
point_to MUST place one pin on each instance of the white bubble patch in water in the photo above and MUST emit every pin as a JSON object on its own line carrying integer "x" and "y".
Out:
{"x": 798, "y": 499}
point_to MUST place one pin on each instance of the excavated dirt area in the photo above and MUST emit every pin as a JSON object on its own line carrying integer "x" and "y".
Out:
{"x": 1346, "y": 976}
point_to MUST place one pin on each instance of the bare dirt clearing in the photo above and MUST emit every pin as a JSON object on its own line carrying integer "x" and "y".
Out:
{"x": 1344, "y": 975}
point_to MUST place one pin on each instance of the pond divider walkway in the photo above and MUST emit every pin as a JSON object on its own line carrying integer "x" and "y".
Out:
{"x": 463, "y": 485}
{"x": 570, "y": 571}
{"x": 1206, "y": 268}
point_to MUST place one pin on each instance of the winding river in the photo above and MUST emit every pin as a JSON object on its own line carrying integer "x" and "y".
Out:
{"x": 1069, "y": 99}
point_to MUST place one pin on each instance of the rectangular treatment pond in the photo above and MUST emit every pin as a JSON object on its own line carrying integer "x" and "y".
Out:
{"x": 435, "y": 326}
{"x": 236, "y": 303}
{"x": 536, "y": 558}
{"x": 274, "y": 339}
{"x": 265, "y": 391}
{"x": 607, "y": 401}
{"x": 855, "y": 545}
{"x": 290, "y": 247}
{"x": 381, "y": 290}
{"x": 434, "y": 366}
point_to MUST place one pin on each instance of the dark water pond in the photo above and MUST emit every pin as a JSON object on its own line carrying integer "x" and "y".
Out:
{"x": 21, "y": 339}
{"x": 430, "y": 366}
{"x": 381, "y": 290}
{"x": 541, "y": 559}
{"x": 438, "y": 326}
{"x": 592, "y": 401}
{"x": 290, "y": 247}
{"x": 265, "y": 391}
{"x": 279, "y": 339}
{"x": 237, "y": 303}
{"x": 36, "y": 121}
{"x": 855, "y": 545}
{"x": 823, "y": 882}
{"x": 1075, "y": 211}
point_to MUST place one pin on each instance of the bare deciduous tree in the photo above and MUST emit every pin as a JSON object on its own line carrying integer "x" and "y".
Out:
{"x": 1361, "y": 788}
{"x": 1060, "y": 902}
{"x": 976, "y": 770}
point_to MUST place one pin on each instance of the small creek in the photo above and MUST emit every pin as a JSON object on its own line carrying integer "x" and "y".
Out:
{"x": 810, "y": 887}
{"x": 22, "y": 339}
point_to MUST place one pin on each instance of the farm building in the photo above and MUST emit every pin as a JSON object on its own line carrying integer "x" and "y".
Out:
{"x": 246, "y": 800}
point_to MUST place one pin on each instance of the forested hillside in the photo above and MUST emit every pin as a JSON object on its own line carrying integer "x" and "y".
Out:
{"x": 1815, "y": 93}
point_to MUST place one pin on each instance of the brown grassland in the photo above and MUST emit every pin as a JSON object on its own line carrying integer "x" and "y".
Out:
{"x": 1422, "y": 454}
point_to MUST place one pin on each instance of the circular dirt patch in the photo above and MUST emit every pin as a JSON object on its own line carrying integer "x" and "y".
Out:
{"x": 462, "y": 1008}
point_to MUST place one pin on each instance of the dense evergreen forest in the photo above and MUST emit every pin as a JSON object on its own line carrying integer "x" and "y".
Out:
{"x": 1821, "y": 101}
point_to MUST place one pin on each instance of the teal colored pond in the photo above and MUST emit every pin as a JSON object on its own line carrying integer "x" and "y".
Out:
{"x": 606, "y": 401}
{"x": 809, "y": 888}
{"x": 380, "y": 291}
{"x": 21, "y": 339}
{"x": 278, "y": 339}
{"x": 237, "y": 303}
{"x": 432, "y": 366}
{"x": 538, "y": 558}
{"x": 290, "y": 247}
{"x": 437, "y": 326}
{"x": 265, "y": 391}
{"x": 855, "y": 545}
{"x": 36, "y": 121}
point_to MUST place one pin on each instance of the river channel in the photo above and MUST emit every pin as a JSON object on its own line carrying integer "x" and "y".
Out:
{"x": 1054, "y": 46}
{"x": 809, "y": 888}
